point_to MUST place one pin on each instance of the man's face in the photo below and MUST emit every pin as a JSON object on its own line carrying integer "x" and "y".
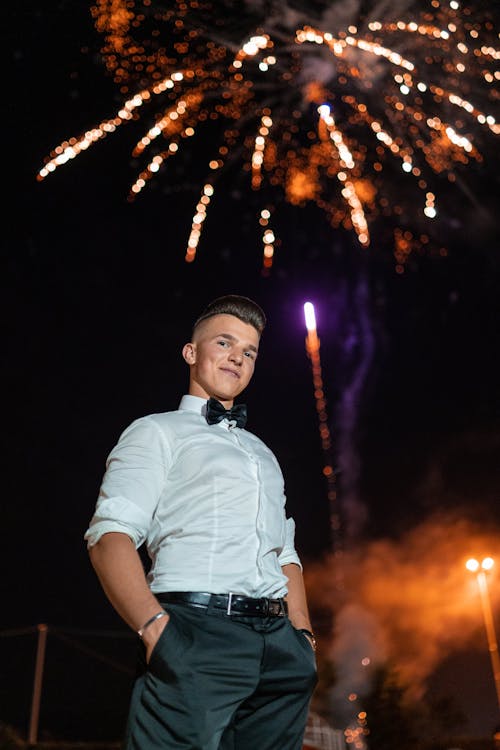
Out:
{"x": 221, "y": 358}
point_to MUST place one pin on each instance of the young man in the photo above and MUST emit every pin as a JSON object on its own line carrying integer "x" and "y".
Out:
{"x": 228, "y": 657}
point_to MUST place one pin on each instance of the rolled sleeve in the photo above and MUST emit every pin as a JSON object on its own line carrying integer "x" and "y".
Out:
{"x": 132, "y": 484}
{"x": 288, "y": 553}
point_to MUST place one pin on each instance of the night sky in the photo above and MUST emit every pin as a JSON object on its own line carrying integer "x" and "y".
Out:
{"x": 97, "y": 303}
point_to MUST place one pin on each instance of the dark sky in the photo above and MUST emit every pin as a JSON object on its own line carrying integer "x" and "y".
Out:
{"x": 98, "y": 301}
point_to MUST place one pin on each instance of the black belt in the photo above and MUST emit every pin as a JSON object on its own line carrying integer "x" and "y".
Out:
{"x": 231, "y": 604}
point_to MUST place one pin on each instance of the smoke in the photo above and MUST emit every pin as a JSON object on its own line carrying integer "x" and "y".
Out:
{"x": 357, "y": 634}
{"x": 358, "y": 351}
{"x": 409, "y": 603}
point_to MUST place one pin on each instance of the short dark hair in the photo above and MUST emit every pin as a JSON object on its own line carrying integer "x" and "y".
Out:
{"x": 234, "y": 304}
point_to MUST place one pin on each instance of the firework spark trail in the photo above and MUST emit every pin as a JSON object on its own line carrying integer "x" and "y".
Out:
{"x": 313, "y": 352}
{"x": 405, "y": 97}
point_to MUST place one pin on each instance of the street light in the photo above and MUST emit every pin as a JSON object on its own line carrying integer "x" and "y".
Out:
{"x": 480, "y": 570}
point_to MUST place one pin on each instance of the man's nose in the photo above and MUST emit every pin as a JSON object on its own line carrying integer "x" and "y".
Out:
{"x": 236, "y": 356}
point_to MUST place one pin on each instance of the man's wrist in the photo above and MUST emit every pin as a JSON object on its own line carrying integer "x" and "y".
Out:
{"x": 149, "y": 622}
{"x": 310, "y": 635}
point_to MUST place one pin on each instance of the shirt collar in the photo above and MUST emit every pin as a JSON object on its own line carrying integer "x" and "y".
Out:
{"x": 193, "y": 403}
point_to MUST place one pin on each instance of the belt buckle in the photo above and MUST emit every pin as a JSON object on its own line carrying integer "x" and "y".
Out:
{"x": 229, "y": 602}
{"x": 277, "y": 607}
{"x": 273, "y": 608}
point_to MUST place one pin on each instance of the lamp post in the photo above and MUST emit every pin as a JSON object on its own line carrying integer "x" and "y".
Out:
{"x": 480, "y": 568}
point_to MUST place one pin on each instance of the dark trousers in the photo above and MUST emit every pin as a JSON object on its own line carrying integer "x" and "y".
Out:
{"x": 215, "y": 682}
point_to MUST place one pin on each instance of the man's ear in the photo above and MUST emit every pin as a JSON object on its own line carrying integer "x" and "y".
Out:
{"x": 189, "y": 353}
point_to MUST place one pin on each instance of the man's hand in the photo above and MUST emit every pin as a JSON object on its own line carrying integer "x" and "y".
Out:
{"x": 152, "y": 634}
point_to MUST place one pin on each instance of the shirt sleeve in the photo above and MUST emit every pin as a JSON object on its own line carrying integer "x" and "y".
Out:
{"x": 132, "y": 485}
{"x": 288, "y": 553}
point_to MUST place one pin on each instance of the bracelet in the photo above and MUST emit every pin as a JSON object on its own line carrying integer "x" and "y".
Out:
{"x": 310, "y": 634}
{"x": 151, "y": 620}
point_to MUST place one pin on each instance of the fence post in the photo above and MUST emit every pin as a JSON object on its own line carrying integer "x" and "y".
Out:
{"x": 37, "y": 685}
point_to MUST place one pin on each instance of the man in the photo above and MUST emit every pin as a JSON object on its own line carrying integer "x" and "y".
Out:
{"x": 228, "y": 649}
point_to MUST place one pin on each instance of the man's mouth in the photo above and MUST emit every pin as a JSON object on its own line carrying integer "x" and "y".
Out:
{"x": 234, "y": 373}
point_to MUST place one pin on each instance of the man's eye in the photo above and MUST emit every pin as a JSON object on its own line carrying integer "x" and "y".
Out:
{"x": 251, "y": 355}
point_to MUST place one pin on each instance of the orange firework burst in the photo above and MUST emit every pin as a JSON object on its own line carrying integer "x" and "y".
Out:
{"x": 318, "y": 103}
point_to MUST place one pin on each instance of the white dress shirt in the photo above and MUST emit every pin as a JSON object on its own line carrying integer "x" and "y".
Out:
{"x": 208, "y": 500}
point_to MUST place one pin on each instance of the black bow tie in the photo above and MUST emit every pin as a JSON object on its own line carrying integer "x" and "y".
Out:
{"x": 216, "y": 413}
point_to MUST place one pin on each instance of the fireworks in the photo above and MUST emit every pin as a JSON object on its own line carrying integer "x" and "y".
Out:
{"x": 363, "y": 115}
{"x": 312, "y": 349}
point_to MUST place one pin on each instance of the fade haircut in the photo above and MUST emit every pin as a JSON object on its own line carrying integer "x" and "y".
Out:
{"x": 243, "y": 308}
